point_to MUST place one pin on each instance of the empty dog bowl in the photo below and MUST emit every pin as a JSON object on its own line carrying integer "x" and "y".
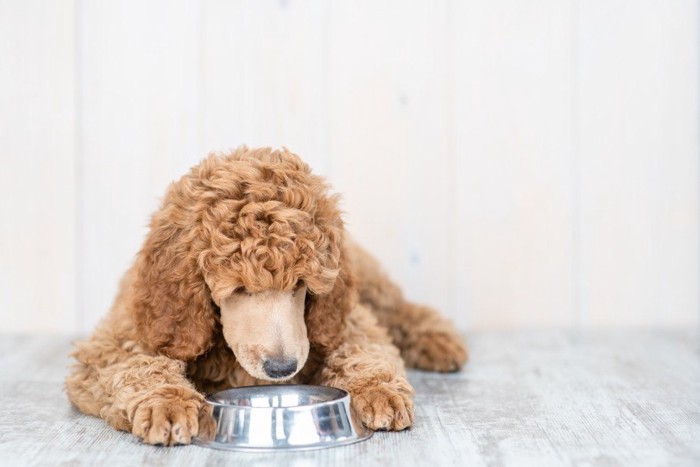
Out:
{"x": 282, "y": 417}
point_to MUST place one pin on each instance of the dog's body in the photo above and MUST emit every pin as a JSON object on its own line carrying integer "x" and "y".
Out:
{"x": 247, "y": 277}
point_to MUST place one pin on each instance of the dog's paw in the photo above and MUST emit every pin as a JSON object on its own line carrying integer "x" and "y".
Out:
{"x": 384, "y": 407}
{"x": 170, "y": 415}
{"x": 436, "y": 351}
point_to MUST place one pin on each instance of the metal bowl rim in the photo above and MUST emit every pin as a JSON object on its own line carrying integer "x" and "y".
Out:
{"x": 343, "y": 396}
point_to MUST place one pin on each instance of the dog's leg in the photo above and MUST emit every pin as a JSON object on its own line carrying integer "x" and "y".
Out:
{"x": 369, "y": 367}
{"x": 427, "y": 340}
{"x": 144, "y": 394}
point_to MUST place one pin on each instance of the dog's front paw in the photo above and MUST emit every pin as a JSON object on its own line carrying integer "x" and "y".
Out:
{"x": 170, "y": 415}
{"x": 385, "y": 406}
{"x": 436, "y": 351}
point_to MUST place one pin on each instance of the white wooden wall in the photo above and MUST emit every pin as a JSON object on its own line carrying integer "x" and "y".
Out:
{"x": 513, "y": 163}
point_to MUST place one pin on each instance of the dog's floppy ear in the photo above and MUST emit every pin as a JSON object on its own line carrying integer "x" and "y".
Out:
{"x": 325, "y": 314}
{"x": 171, "y": 302}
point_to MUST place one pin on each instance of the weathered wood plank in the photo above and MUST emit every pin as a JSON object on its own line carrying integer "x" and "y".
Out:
{"x": 389, "y": 140}
{"x": 527, "y": 398}
{"x": 639, "y": 111}
{"x": 264, "y": 76}
{"x": 513, "y": 164}
{"x": 139, "y": 109}
{"x": 38, "y": 176}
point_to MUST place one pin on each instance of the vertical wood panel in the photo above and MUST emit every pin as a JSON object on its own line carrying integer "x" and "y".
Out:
{"x": 265, "y": 76}
{"x": 639, "y": 147}
{"x": 37, "y": 201}
{"x": 450, "y": 127}
{"x": 140, "y": 128}
{"x": 390, "y": 139}
{"x": 513, "y": 157}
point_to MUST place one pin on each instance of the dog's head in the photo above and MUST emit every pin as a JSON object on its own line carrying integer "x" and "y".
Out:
{"x": 255, "y": 236}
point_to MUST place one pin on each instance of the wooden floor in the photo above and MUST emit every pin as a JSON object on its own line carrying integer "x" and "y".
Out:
{"x": 529, "y": 398}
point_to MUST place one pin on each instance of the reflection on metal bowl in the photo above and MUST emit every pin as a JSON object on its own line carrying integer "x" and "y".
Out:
{"x": 282, "y": 417}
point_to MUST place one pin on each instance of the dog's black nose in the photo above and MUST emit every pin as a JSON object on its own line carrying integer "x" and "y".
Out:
{"x": 280, "y": 367}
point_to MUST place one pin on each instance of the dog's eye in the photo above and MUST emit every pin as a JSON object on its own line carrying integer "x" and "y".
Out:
{"x": 297, "y": 287}
{"x": 242, "y": 291}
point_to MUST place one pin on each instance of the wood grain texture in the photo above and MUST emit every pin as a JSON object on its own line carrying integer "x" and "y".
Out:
{"x": 265, "y": 76}
{"x": 37, "y": 175}
{"x": 390, "y": 139}
{"x": 608, "y": 398}
{"x": 513, "y": 163}
{"x": 139, "y": 84}
{"x": 639, "y": 150}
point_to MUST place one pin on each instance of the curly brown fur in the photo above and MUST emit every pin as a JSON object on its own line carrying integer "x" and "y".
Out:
{"x": 256, "y": 219}
{"x": 251, "y": 222}
{"x": 427, "y": 340}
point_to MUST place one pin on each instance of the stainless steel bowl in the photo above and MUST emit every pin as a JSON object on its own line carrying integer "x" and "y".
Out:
{"x": 282, "y": 417}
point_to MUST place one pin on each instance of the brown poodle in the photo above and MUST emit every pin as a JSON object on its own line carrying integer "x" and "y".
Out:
{"x": 247, "y": 277}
